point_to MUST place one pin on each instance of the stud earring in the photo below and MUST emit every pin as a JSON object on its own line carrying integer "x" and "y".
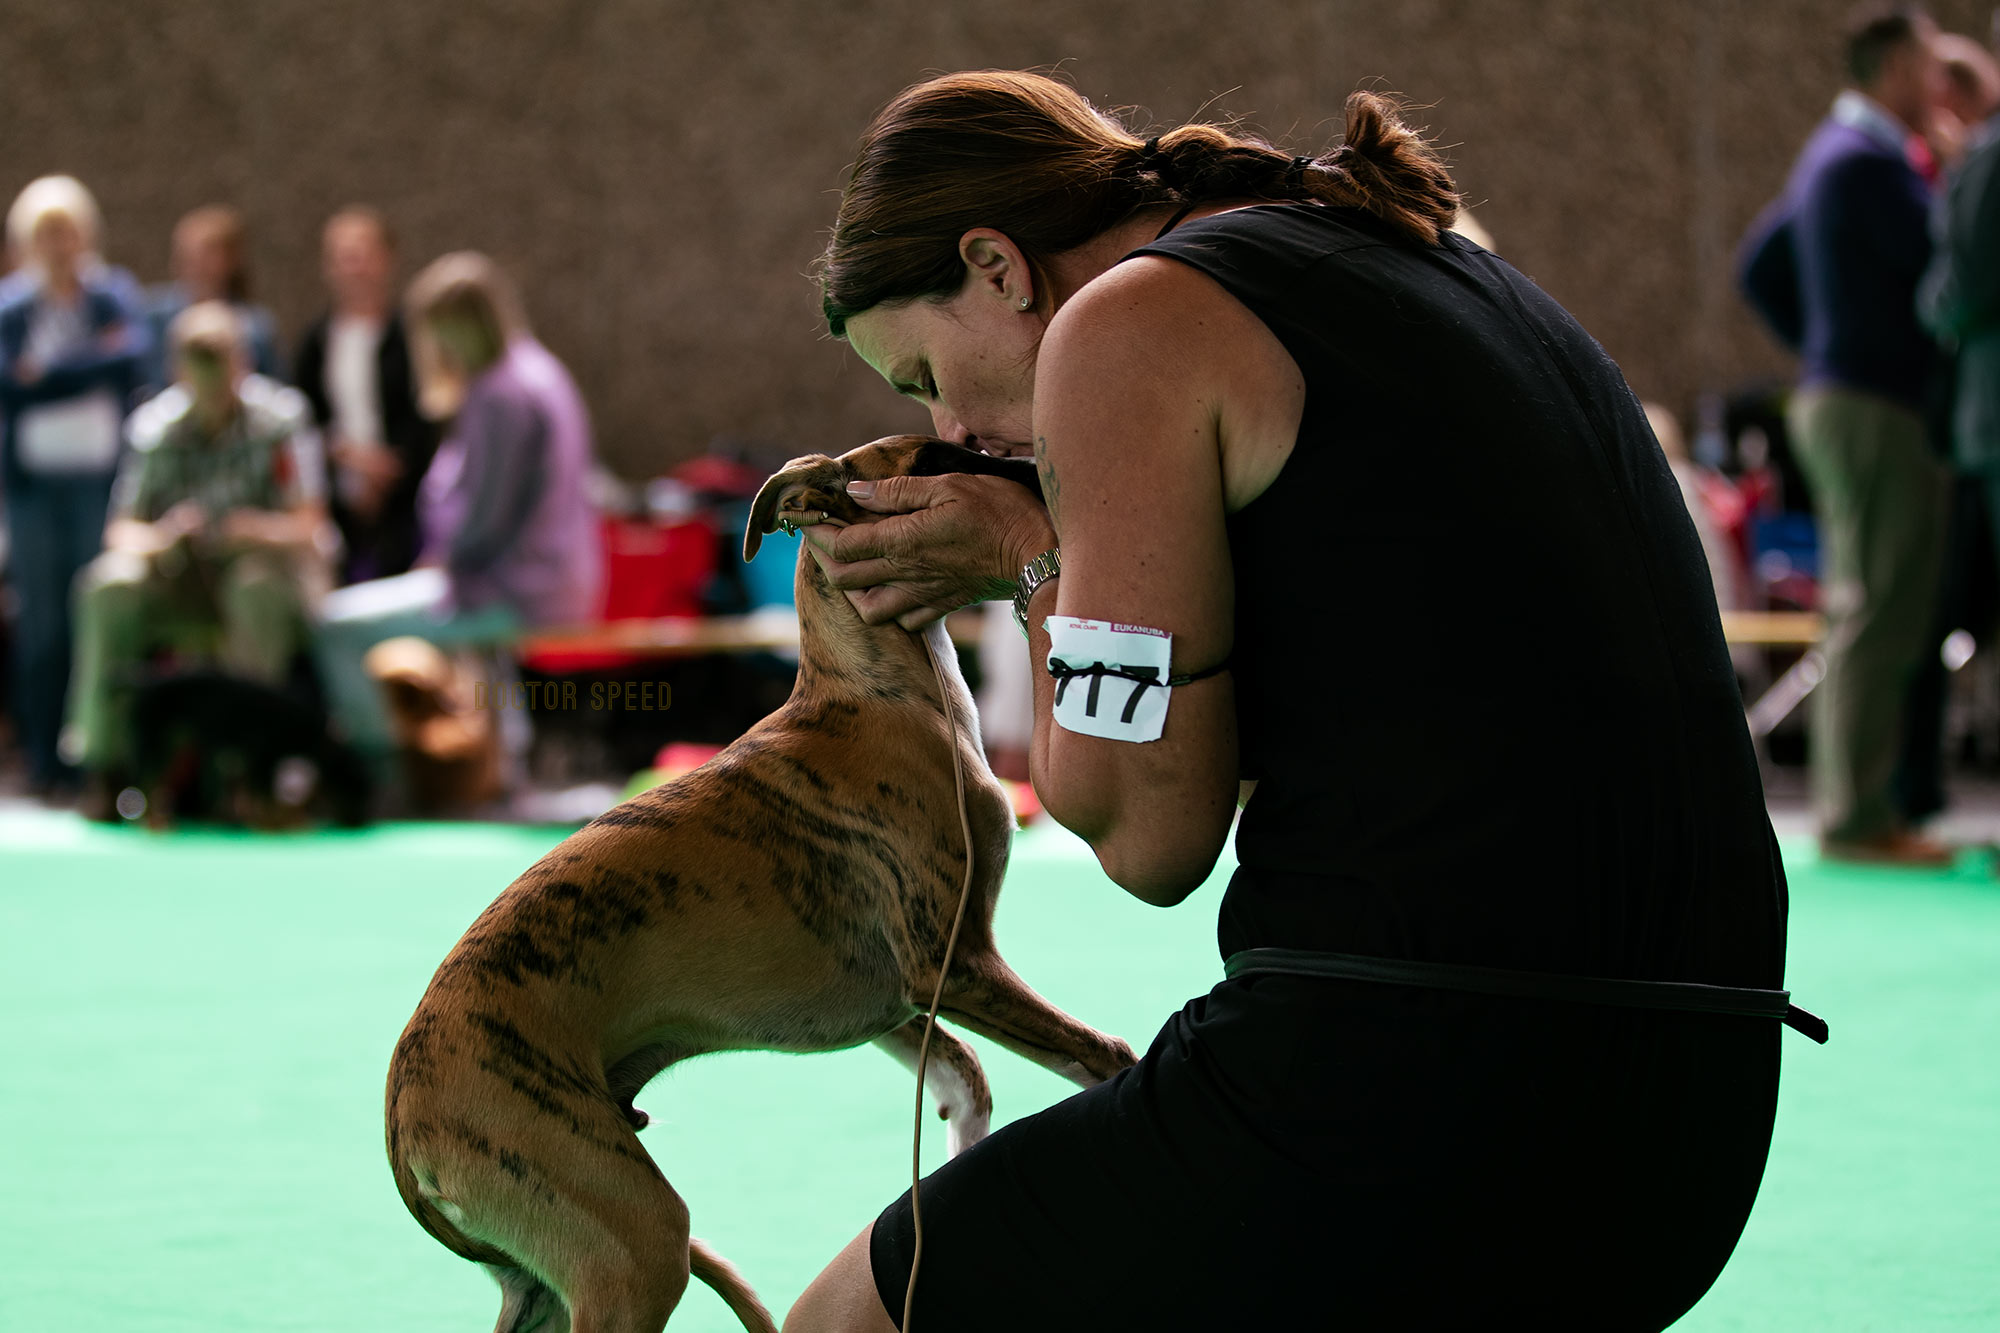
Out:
{"x": 1027, "y": 301}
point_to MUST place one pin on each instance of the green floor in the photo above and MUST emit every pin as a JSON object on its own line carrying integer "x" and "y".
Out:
{"x": 194, "y": 1032}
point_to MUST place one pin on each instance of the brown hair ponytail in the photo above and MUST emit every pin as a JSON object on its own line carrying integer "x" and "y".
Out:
{"x": 1030, "y": 157}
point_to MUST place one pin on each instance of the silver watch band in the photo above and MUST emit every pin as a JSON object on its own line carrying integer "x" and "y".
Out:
{"x": 1034, "y": 574}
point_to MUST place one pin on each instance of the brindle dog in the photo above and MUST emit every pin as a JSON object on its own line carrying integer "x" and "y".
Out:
{"x": 794, "y": 893}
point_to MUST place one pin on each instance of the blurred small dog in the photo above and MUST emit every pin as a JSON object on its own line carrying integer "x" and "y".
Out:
{"x": 450, "y": 747}
{"x": 206, "y": 744}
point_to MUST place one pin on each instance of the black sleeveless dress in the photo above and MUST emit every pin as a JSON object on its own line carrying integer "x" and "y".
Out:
{"x": 1482, "y": 682}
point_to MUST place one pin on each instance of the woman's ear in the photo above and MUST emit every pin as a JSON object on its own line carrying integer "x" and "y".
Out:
{"x": 997, "y": 266}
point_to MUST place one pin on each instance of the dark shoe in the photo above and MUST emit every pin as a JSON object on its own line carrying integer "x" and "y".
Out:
{"x": 1901, "y": 848}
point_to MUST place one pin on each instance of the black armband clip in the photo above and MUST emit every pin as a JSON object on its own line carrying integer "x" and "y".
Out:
{"x": 1143, "y": 677}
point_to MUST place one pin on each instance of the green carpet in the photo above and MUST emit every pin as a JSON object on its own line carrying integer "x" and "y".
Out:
{"x": 194, "y": 1031}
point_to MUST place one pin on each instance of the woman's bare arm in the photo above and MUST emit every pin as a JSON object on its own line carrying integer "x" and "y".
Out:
{"x": 1128, "y": 407}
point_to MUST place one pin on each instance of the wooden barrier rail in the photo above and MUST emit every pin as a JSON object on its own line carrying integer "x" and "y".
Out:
{"x": 1774, "y": 629}
{"x": 690, "y": 636}
{"x": 699, "y": 636}
{"x": 778, "y": 631}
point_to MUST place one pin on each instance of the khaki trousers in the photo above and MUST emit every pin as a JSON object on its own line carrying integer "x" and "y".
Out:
{"x": 246, "y": 612}
{"x": 1880, "y": 495}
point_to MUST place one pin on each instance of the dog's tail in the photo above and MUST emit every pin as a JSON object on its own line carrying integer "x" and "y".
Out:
{"x": 726, "y": 1282}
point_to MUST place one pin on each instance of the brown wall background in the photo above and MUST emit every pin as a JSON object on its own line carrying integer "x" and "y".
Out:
{"x": 659, "y": 173}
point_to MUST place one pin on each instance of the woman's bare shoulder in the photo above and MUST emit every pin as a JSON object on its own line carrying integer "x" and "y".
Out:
{"x": 1180, "y": 314}
{"x": 1158, "y": 331}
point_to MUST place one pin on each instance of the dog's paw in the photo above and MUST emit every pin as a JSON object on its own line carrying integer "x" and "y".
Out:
{"x": 1101, "y": 1065}
{"x": 967, "y": 1128}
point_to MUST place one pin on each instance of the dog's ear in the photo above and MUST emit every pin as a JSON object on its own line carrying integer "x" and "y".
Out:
{"x": 814, "y": 482}
{"x": 819, "y": 483}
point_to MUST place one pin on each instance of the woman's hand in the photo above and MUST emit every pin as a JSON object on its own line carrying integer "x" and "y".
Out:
{"x": 947, "y": 542}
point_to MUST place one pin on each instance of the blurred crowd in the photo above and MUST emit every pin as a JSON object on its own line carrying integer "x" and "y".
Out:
{"x": 184, "y": 494}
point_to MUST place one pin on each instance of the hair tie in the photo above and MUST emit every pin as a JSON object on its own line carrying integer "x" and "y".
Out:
{"x": 1160, "y": 164}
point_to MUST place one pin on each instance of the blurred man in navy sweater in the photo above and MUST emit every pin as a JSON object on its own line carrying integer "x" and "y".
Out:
{"x": 1833, "y": 268}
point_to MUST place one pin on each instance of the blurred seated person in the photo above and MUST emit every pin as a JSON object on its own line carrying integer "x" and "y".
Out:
{"x": 353, "y": 365}
{"x": 72, "y": 339}
{"x": 217, "y": 542}
{"x": 511, "y": 539}
{"x": 210, "y": 262}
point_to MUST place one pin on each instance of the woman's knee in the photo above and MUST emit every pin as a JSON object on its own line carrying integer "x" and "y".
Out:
{"x": 842, "y": 1299}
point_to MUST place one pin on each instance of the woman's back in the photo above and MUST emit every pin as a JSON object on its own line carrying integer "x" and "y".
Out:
{"x": 1480, "y": 673}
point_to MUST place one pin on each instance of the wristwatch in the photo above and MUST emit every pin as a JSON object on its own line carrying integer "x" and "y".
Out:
{"x": 1034, "y": 574}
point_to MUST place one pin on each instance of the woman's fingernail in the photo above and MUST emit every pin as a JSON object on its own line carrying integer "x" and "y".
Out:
{"x": 861, "y": 490}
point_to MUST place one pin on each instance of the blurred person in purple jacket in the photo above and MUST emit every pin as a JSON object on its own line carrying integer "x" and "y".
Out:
{"x": 510, "y": 537}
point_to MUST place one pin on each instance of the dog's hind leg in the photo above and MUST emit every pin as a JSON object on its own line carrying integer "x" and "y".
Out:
{"x": 953, "y": 1077}
{"x": 985, "y": 995}
{"x": 596, "y": 1239}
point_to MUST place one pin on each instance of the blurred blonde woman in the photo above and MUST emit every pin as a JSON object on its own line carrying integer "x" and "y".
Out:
{"x": 71, "y": 345}
{"x": 510, "y": 540}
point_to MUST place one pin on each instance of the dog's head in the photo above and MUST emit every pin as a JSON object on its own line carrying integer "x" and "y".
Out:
{"x": 415, "y": 675}
{"x": 816, "y": 485}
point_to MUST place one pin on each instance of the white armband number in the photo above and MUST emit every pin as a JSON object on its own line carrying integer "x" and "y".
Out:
{"x": 1111, "y": 680}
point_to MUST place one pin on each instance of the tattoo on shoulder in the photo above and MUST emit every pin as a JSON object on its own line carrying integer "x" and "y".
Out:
{"x": 1051, "y": 483}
